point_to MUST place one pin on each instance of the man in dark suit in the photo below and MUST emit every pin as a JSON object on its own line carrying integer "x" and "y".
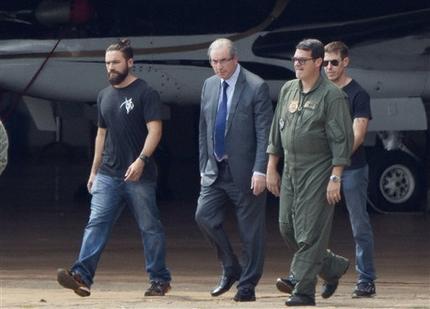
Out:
{"x": 235, "y": 118}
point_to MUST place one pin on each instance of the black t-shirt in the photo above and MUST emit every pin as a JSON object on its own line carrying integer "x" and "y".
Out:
{"x": 124, "y": 112}
{"x": 359, "y": 103}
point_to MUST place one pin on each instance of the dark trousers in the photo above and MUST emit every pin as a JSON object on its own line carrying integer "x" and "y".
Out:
{"x": 250, "y": 212}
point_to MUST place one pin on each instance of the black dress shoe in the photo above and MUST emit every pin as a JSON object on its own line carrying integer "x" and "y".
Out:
{"x": 300, "y": 300}
{"x": 286, "y": 285}
{"x": 224, "y": 285}
{"x": 245, "y": 294}
{"x": 329, "y": 287}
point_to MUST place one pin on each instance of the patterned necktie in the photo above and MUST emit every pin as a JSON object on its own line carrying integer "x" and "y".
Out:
{"x": 220, "y": 121}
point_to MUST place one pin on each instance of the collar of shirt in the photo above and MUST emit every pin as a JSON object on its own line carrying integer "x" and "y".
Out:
{"x": 315, "y": 86}
{"x": 230, "y": 90}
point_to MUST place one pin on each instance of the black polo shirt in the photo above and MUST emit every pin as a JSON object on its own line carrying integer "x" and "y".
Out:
{"x": 359, "y": 103}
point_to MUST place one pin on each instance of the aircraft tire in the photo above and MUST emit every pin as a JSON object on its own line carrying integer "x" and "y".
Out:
{"x": 396, "y": 182}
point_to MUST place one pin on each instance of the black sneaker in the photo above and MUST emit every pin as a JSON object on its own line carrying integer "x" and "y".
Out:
{"x": 158, "y": 288}
{"x": 364, "y": 289}
{"x": 73, "y": 281}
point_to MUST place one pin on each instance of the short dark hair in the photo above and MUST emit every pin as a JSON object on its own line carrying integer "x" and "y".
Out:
{"x": 124, "y": 46}
{"x": 314, "y": 45}
{"x": 337, "y": 47}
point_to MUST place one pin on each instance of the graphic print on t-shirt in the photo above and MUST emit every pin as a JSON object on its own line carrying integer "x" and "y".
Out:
{"x": 128, "y": 104}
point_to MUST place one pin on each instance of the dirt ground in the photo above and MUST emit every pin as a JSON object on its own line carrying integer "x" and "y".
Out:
{"x": 35, "y": 242}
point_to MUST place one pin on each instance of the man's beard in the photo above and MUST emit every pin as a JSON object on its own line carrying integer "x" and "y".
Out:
{"x": 117, "y": 77}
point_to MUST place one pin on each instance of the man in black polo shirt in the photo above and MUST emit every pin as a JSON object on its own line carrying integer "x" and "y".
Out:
{"x": 355, "y": 177}
{"x": 129, "y": 130}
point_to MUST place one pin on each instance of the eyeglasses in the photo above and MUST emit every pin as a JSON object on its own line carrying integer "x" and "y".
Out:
{"x": 334, "y": 62}
{"x": 221, "y": 62}
{"x": 301, "y": 61}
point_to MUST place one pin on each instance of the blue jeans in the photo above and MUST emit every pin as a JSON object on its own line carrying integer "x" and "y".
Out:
{"x": 354, "y": 184}
{"x": 108, "y": 197}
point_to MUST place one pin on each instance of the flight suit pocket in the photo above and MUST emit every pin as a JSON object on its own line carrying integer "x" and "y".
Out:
{"x": 309, "y": 111}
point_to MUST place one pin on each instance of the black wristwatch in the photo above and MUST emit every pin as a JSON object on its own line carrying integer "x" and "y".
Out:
{"x": 144, "y": 158}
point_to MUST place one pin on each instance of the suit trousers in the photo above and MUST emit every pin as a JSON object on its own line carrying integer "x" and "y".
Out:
{"x": 250, "y": 213}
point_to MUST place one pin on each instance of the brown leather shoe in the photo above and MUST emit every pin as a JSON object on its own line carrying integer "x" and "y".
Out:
{"x": 73, "y": 281}
{"x": 158, "y": 288}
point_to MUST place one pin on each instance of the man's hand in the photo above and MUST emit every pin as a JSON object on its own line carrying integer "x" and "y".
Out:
{"x": 91, "y": 181}
{"x": 258, "y": 184}
{"x": 333, "y": 192}
{"x": 273, "y": 181}
{"x": 134, "y": 171}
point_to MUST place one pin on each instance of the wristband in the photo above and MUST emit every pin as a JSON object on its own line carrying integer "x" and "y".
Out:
{"x": 144, "y": 158}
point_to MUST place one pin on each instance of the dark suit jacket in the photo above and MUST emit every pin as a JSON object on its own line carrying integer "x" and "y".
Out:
{"x": 247, "y": 129}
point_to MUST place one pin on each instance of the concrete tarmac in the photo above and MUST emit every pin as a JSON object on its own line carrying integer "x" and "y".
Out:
{"x": 41, "y": 231}
{"x": 34, "y": 242}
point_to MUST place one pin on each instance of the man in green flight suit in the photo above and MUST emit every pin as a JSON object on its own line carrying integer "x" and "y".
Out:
{"x": 312, "y": 130}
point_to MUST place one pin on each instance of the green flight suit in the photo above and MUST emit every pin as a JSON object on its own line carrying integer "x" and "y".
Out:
{"x": 3, "y": 148}
{"x": 313, "y": 132}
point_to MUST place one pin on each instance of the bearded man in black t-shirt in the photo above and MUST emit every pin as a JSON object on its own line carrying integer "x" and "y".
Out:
{"x": 355, "y": 177}
{"x": 123, "y": 170}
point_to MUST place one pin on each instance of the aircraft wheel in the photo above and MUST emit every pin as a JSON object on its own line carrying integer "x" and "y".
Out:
{"x": 396, "y": 182}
